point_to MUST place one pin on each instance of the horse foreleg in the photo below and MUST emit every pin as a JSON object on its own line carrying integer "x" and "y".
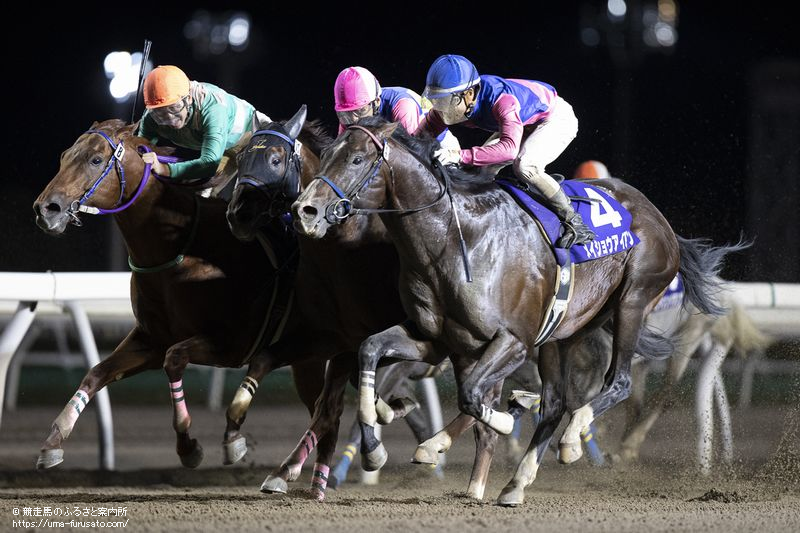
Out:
{"x": 485, "y": 443}
{"x": 502, "y": 356}
{"x": 339, "y": 473}
{"x": 552, "y": 371}
{"x": 133, "y": 355}
{"x": 323, "y": 430}
{"x": 397, "y": 342}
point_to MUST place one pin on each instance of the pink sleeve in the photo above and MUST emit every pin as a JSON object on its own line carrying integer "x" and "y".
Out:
{"x": 506, "y": 112}
{"x": 406, "y": 113}
{"x": 432, "y": 123}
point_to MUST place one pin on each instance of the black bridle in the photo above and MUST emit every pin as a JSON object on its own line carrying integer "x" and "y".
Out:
{"x": 337, "y": 211}
{"x": 279, "y": 196}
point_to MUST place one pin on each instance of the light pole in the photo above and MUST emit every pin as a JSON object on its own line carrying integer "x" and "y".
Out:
{"x": 122, "y": 70}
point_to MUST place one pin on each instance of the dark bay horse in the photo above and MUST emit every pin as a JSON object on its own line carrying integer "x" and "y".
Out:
{"x": 493, "y": 321}
{"x": 199, "y": 295}
{"x": 343, "y": 292}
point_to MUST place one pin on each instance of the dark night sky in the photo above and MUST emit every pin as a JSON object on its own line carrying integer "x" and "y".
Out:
{"x": 690, "y": 110}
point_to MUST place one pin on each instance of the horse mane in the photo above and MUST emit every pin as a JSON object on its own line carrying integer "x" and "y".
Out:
{"x": 315, "y": 136}
{"x": 423, "y": 147}
{"x": 112, "y": 127}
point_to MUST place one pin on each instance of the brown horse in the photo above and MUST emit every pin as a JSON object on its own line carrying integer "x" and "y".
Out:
{"x": 199, "y": 295}
{"x": 343, "y": 292}
{"x": 492, "y": 322}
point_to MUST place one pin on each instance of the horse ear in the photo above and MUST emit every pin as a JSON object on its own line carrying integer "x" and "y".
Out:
{"x": 94, "y": 125}
{"x": 295, "y": 124}
{"x": 128, "y": 130}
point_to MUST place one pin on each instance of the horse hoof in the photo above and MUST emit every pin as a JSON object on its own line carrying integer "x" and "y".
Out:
{"x": 511, "y": 496}
{"x": 334, "y": 482}
{"x": 318, "y": 495}
{"x": 193, "y": 458}
{"x": 569, "y": 452}
{"x": 375, "y": 459}
{"x": 233, "y": 451}
{"x": 274, "y": 485}
{"x": 425, "y": 455}
{"x": 49, "y": 458}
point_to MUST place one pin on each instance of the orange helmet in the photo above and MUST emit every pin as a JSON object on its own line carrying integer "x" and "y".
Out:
{"x": 591, "y": 170}
{"x": 165, "y": 85}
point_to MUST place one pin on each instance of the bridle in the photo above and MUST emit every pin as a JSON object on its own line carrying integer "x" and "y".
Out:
{"x": 337, "y": 211}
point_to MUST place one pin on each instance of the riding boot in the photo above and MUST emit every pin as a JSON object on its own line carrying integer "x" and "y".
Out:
{"x": 575, "y": 231}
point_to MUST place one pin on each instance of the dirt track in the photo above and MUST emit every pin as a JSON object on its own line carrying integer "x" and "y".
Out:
{"x": 661, "y": 493}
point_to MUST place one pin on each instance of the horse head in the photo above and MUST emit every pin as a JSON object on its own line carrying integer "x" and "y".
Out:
{"x": 97, "y": 172}
{"x": 269, "y": 176}
{"x": 354, "y": 169}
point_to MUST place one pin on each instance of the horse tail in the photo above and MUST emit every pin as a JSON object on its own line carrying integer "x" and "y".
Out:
{"x": 654, "y": 344}
{"x": 700, "y": 266}
{"x": 738, "y": 328}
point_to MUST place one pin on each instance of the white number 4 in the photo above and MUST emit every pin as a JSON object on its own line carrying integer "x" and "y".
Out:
{"x": 601, "y": 211}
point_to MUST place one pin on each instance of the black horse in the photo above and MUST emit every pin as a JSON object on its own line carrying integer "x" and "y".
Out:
{"x": 493, "y": 321}
{"x": 343, "y": 294}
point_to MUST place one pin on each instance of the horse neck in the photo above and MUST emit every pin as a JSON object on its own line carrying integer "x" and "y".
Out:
{"x": 309, "y": 167}
{"x": 156, "y": 224}
{"x": 417, "y": 236}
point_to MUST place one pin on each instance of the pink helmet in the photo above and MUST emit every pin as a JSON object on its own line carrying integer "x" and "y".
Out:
{"x": 355, "y": 87}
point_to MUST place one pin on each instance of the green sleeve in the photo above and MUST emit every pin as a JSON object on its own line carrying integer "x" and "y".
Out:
{"x": 214, "y": 123}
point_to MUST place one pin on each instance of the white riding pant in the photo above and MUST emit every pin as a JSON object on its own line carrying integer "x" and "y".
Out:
{"x": 544, "y": 144}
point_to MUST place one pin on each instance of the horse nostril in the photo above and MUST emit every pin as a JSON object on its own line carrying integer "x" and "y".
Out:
{"x": 51, "y": 209}
{"x": 309, "y": 211}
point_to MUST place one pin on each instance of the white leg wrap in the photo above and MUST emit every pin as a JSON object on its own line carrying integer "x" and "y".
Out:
{"x": 241, "y": 400}
{"x": 524, "y": 398}
{"x": 69, "y": 415}
{"x": 502, "y": 423}
{"x": 366, "y": 398}
{"x": 385, "y": 413}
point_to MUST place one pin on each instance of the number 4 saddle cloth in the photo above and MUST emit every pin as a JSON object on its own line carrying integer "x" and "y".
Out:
{"x": 605, "y": 216}
{"x": 610, "y": 222}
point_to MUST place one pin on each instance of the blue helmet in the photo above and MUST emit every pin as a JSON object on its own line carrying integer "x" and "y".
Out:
{"x": 450, "y": 74}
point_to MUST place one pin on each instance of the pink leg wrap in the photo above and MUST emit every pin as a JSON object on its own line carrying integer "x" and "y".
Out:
{"x": 304, "y": 447}
{"x": 319, "y": 482}
{"x": 179, "y": 404}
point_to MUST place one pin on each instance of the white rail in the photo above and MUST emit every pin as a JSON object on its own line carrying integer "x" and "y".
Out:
{"x": 67, "y": 291}
{"x": 774, "y": 307}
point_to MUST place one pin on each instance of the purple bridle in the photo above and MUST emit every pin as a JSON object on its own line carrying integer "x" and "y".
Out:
{"x": 118, "y": 152}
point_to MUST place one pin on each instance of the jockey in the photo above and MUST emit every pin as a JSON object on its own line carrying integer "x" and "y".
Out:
{"x": 357, "y": 94}
{"x": 195, "y": 115}
{"x": 531, "y": 126}
{"x": 591, "y": 169}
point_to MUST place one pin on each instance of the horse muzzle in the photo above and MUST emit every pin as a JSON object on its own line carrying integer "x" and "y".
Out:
{"x": 52, "y": 215}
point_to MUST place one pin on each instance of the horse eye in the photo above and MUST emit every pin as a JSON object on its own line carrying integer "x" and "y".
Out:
{"x": 357, "y": 160}
{"x": 275, "y": 161}
{"x": 96, "y": 160}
